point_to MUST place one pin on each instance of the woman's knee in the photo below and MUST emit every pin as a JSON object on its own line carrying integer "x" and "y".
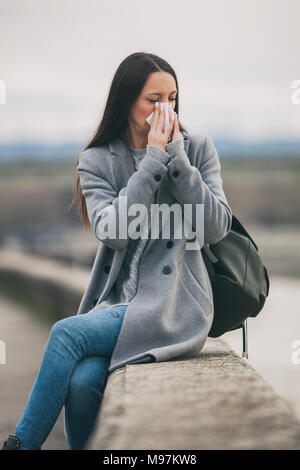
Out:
{"x": 60, "y": 325}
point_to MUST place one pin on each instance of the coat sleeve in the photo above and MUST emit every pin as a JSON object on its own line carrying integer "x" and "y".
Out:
{"x": 201, "y": 184}
{"x": 109, "y": 208}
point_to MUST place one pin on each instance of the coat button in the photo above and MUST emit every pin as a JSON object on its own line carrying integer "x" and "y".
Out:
{"x": 170, "y": 244}
{"x": 107, "y": 268}
{"x": 157, "y": 177}
{"x": 94, "y": 302}
{"x": 175, "y": 173}
{"x": 167, "y": 269}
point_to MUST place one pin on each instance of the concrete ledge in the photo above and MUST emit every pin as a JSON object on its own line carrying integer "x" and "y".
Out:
{"x": 215, "y": 400}
{"x": 48, "y": 284}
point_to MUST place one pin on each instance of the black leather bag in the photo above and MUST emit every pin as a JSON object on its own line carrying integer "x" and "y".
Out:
{"x": 239, "y": 280}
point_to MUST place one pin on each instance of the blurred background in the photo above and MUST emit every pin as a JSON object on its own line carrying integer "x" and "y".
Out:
{"x": 238, "y": 67}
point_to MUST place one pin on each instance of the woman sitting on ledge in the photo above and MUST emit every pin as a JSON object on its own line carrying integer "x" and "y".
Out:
{"x": 147, "y": 299}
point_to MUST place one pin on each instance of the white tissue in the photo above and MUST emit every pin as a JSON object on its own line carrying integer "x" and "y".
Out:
{"x": 167, "y": 120}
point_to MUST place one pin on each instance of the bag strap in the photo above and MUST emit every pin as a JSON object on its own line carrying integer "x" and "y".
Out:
{"x": 209, "y": 253}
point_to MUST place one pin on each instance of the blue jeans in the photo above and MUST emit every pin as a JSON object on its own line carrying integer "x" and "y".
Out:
{"x": 73, "y": 373}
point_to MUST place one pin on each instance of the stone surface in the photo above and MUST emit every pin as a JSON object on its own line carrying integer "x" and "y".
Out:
{"x": 215, "y": 400}
{"x": 46, "y": 282}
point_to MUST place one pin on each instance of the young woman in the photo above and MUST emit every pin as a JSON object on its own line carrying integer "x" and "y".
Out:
{"x": 149, "y": 297}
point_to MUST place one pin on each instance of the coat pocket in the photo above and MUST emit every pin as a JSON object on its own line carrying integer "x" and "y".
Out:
{"x": 194, "y": 287}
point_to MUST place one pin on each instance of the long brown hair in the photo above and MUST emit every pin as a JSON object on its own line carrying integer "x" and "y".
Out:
{"x": 125, "y": 88}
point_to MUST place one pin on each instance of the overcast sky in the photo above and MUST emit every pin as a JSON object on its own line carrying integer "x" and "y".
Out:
{"x": 235, "y": 61}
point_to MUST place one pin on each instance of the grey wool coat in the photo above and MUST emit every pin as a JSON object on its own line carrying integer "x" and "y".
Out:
{"x": 172, "y": 311}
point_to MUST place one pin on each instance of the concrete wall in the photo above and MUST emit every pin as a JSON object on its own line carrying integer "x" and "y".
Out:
{"x": 213, "y": 401}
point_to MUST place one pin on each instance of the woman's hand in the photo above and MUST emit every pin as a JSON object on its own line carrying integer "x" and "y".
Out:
{"x": 156, "y": 136}
{"x": 176, "y": 132}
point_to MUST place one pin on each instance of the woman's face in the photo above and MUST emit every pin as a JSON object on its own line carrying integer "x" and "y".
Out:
{"x": 161, "y": 87}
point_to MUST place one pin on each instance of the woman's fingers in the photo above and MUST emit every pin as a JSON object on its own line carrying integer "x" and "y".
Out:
{"x": 160, "y": 134}
{"x": 177, "y": 134}
{"x": 176, "y": 122}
